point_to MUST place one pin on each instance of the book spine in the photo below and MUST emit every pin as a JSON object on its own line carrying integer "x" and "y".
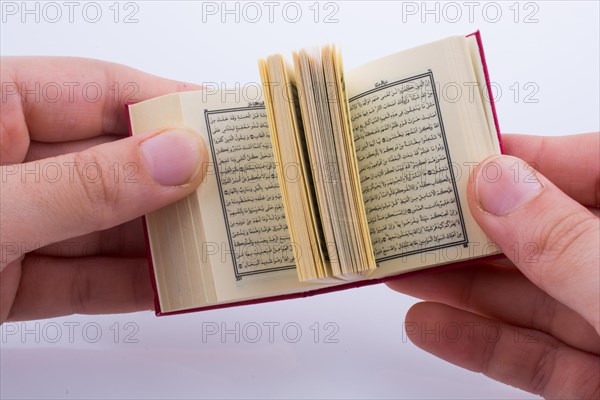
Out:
{"x": 477, "y": 35}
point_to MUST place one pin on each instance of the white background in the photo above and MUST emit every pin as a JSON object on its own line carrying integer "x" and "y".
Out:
{"x": 552, "y": 46}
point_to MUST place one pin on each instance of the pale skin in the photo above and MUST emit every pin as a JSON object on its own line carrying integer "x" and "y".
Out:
{"x": 74, "y": 244}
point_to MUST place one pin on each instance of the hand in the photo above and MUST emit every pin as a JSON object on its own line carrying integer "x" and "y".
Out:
{"x": 71, "y": 180}
{"x": 535, "y": 323}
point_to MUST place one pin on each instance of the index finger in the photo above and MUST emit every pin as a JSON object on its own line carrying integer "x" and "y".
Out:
{"x": 67, "y": 98}
{"x": 571, "y": 162}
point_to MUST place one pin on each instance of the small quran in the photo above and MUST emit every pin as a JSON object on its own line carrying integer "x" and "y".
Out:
{"x": 322, "y": 179}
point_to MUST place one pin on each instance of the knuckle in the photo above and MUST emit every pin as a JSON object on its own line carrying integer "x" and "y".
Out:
{"x": 139, "y": 283}
{"x": 99, "y": 194}
{"x": 80, "y": 292}
{"x": 14, "y": 135}
{"x": 588, "y": 384}
{"x": 543, "y": 369}
{"x": 544, "y": 309}
{"x": 489, "y": 356}
{"x": 556, "y": 241}
{"x": 467, "y": 291}
{"x": 597, "y": 193}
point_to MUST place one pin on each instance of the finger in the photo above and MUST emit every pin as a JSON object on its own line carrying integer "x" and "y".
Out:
{"x": 51, "y": 287}
{"x": 14, "y": 138}
{"x": 67, "y": 196}
{"x": 40, "y": 150}
{"x": 57, "y": 99}
{"x": 571, "y": 162}
{"x": 502, "y": 293}
{"x": 125, "y": 240}
{"x": 527, "y": 359}
{"x": 9, "y": 283}
{"x": 550, "y": 237}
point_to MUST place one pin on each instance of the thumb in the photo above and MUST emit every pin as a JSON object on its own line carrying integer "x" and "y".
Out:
{"x": 58, "y": 198}
{"x": 550, "y": 237}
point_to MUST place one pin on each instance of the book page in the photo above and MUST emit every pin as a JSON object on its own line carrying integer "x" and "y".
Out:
{"x": 416, "y": 143}
{"x": 295, "y": 178}
{"x": 174, "y": 232}
{"x": 250, "y": 197}
{"x": 229, "y": 240}
{"x": 407, "y": 177}
{"x": 247, "y": 240}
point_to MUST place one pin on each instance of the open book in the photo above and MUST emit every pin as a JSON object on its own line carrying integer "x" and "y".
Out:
{"x": 322, "y": 179}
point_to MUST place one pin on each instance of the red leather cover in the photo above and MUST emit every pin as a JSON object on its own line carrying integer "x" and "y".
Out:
{"x": 344, "y": 286}
{"x": 477, "y": 35}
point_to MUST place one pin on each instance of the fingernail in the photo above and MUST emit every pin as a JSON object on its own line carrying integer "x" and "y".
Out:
{"x": 505, "y": 184}
{"x": 173, "y": 158}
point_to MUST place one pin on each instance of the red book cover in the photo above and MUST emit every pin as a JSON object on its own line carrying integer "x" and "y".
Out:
{"x": 349, "y": 285}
